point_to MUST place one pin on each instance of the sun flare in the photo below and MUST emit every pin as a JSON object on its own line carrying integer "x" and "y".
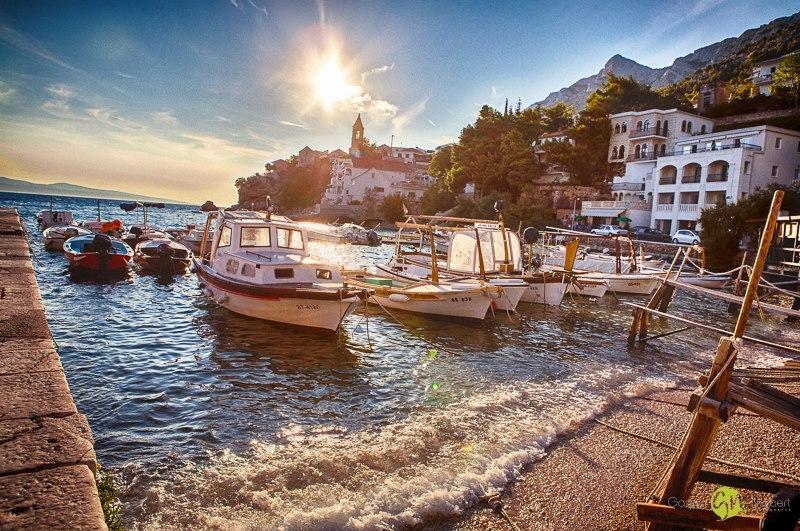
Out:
{"x": 330, "y": 83}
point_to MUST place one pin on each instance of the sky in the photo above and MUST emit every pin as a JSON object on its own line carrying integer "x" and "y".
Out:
{"x": 178, "y": 99}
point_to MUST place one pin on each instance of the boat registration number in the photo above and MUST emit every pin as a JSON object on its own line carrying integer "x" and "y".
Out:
{"x": 308, "y": 306}
{"x": 460, "y": 299}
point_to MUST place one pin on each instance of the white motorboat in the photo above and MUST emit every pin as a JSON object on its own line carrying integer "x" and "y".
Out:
{"x": 51, "y": 218}
{"x": 193, "y": 239}
{"x": 162, "y": 255}
{"x": 55, "y": 236}
{"x": 627, "y": 283}
{"x": 442, "y": 298}
{"x": 259, "y": 266}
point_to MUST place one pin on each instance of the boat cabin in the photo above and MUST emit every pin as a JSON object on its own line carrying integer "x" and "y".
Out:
{"x": 462, "y": 251}
{"x": 49, "y": 218}
{"x": 261, "y": 249}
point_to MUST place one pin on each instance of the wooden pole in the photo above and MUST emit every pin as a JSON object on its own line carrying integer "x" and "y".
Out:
{"x": 480, "y": 255}
{"x": 702, "y": 431}
{"x": 205, "y": 237}
{"x": 434, "y": 261}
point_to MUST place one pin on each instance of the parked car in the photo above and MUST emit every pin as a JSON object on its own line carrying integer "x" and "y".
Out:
{"x": 609, "y": 230}
{"x": 686, "y": 236}
{"x": 650, "y": 235}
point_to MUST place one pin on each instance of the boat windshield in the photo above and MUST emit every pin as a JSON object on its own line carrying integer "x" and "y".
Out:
{"x": 255, "y": 237}
{"x": 289, "y": 238}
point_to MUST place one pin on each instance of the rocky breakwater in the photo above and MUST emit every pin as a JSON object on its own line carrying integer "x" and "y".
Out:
{"x": 47, "y": 459}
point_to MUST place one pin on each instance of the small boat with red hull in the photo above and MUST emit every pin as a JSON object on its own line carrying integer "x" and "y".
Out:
{"x": 97, "y": 253}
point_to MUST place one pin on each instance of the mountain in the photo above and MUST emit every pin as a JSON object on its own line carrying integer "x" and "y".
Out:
{"x": 576, "y": 94}
{"x": 71, "y": 190}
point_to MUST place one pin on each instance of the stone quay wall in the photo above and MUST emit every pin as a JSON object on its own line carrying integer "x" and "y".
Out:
{"x": 47, "y": 459}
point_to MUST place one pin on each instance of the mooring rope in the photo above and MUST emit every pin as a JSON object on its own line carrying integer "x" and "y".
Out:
{"x": 725, "y": 462}
{"x": 494, "y": 502}
{"x": 398, "y": 321}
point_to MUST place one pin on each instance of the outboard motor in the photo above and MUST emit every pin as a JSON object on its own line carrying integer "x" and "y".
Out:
{"x": 165, "y": 253}
{"x": 373, "y": 239}
{"x": 104, "y": 248}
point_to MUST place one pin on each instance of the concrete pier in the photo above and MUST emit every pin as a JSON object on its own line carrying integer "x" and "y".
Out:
{"x": 47, "y": 459}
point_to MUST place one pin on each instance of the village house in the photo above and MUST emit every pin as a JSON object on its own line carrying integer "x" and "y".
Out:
{"x": 554, "y": 173}
{"x": 764, "y": 72}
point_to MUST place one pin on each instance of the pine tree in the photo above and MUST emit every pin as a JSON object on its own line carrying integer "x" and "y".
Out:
{"x": 519, "y": 105}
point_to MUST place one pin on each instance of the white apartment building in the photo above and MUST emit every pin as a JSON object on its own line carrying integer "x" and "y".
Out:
{"x": 638, "y": 138}
{"x": 763, "y": 73}
{"x": 704, "y": 170}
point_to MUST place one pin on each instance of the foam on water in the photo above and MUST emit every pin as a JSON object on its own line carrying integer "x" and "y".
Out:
{"x": 432, "y": 464}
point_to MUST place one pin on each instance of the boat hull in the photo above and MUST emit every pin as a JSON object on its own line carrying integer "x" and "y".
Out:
{"x": 316, "y": 313}
{"x": 632, "y": 284}
{"x": 157, "y": 264}
{"x": 549, "y": 293}
{"x": 93, "y": 262}
{"x": 468, "y": 305}
{"x": 587, "y": 289}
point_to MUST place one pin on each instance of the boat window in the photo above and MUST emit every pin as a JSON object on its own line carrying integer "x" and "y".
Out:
{"x": 324, "y": 274}
{"x": 248, "y": 270}
{"x": 286, "y": 272}
{"x": 255, "y": 237}
{"x": 289, "y": 238}
{"x": 225, "y": 237}
{"x": 232, "y": 266}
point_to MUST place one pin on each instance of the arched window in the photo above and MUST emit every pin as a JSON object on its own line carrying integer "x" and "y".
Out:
{"x": 683, "y": 126}
{"x": 689, "y": 127}
{"x": 616, "y": 128}
{"x": 644, "y": 150}
{"x": 646, "y": 125}
{"x": 703, "y": 129}
{"x": 624, "y": 127}
{"x": 614, "y": 152}
{"x": 663, "y": 149}
{"x": 639, "y": 125}
{"x": 666, "y": 127}
{"x": 622, "y": 152}
{"x": 637, "y": 152}
{"x": 658, "y": 127}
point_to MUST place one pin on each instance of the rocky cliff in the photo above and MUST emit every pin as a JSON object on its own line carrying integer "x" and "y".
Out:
{"x": 682, "y": 67}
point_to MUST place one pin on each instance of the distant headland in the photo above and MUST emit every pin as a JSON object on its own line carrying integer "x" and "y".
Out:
{"x": 72, "y": 190}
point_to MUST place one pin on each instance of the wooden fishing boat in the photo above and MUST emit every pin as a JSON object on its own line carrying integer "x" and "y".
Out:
{"x": 430, "y": 297}
{"x": 626, "y": 283}
{"x": 54, "y": 237}
{"x": 162, "y": 255}
{"x": 97, "y": 253}
{"x": 512, "y": 289}
{"x": 51, "y": 218}
{"x": 259, "y": 266}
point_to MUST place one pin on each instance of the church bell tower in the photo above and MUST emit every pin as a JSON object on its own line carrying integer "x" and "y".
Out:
{"x": 357, "y": 137}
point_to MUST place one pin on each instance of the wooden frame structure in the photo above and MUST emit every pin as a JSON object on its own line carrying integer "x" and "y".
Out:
{"x": 711, "y": 404}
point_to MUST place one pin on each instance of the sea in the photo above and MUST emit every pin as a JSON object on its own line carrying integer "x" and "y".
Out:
{"x": 208, "y": 419}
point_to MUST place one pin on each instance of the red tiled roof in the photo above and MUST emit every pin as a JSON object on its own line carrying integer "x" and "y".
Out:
{"x": 380, "y": 164}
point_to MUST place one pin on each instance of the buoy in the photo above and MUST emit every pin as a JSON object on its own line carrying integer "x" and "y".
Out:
{"x": 399, "y": 297}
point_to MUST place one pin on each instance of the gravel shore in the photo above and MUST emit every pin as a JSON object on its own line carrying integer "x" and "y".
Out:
{"x": 593, "y": 478}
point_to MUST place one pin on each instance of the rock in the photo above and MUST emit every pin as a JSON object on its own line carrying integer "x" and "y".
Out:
{"x": 209, "y": 206}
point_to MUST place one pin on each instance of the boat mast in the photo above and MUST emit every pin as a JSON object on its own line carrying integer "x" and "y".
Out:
{"x": 480, "y": 255}
{"x": 434, "y": 263}
{"x": 505, "y": 266}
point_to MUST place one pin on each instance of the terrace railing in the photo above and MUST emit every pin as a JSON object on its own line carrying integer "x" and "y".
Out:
{"x": 717, "y": 177}
{"x": 690, "y": 179}
{"x": 667, "y": 180}
{"x": 648, "y": 131}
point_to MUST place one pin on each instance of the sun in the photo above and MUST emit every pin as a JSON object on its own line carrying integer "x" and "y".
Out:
{"x": 330, "y": 83}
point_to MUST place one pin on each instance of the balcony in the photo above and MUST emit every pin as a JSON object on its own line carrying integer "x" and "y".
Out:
{"x": 735, "y": 145}
{"x": 649, "y": 131}
{"x": 641, "y": 158}
{"x": 615, "y": 205}
{"x": 664, "y": 208}
{"x": 688, "y": 207}
{"x": 629, "y": 187}
{"x": 717, "y": 177}
{"x": 760, "y": 79}
{"x": 690, "y": 179}
{"x": 667, "y": 180}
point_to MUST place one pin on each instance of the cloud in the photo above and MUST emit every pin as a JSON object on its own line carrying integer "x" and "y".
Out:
{"x": 235, "y": 4}
{"x": 410, "y": 114}
{"x": 62, "y": 90}
{"x": 220, "y": 118}
{"x": 495, "y": 93}
{"x": 60, "y": 109}
{"x": 6, "y": 91}
{"x": 32, "y": 47}
{"x": 166, "y": 117}
{"x": 431, "y": 122}
{"x": 378, "y": 70}
{"x": 258, "y": 7}
{"x": 123, "y": 74}
{"x": 292, "y": 124}
{"x": 109, "y": 116}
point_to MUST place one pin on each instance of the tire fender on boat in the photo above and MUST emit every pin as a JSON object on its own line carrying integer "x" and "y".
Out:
{"x": 399, "y": 297}
{"x": 222, "y": 298}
